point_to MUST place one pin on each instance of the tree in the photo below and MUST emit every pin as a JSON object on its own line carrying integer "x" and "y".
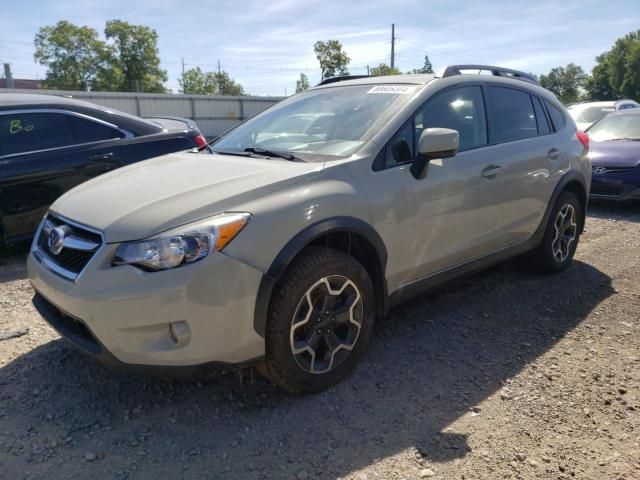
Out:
{"x": 73, "y": 55}
{"x": 617, "y": 71}
{"x": 135, "y": 55}
{"x": 196, "y": 82}
{"x": 565, "y": 82}
{"x": 426, "y": 68}
{"x": 302, "y": 84}
{"x": 226, "y": 85}
{"x": 383, "y": 69}
{"x": 333, "y": 59}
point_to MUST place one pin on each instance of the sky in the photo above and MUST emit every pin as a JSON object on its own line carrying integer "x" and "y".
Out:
{"x": 265, "y": 45}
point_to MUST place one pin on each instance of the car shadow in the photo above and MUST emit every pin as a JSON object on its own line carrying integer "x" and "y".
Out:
{"x": 629, "y": 212}
{"x": 430, "y": 361}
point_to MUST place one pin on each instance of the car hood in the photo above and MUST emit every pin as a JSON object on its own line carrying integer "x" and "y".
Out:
{"x": 155, "y": 195}
{"x": 614, "y": 154}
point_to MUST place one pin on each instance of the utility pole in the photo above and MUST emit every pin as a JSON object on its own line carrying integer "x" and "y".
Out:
{"x": 10, "y": 82}
{"x": 368, "y": 74}
{"x": 393, "y": 45}
{"x": 184, "y": 90}
{"x": 219, "y": 79}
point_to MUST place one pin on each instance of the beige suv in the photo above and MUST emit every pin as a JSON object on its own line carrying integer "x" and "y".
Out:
{"x": 310, "y": 222}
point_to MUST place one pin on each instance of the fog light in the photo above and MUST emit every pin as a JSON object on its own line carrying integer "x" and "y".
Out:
{"x": 179, "y": 333}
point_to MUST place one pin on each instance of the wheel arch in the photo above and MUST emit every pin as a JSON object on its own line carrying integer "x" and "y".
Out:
{"x": 349, "y": 234}
{"x": 572, "y": 181}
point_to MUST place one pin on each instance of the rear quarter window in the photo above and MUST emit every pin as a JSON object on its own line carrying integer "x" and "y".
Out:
{"x": 557, "y": 117}
{"x": 87, "y": 131}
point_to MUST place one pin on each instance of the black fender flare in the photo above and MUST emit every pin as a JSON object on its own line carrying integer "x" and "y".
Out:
{"x": 298, "y": 243}
{"x": 571, "y": 176}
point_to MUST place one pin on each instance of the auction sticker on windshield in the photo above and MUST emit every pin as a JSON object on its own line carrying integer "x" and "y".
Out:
{"x": 394, "y": 89}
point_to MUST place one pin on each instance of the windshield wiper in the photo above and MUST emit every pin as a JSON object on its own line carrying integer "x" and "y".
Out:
{"x": 273, "y": 153}
{"x": 237, "y": 153}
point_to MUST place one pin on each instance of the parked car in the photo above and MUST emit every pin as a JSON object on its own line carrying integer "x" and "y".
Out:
{"x": 284, "y": 251}
{"x": 50, "y": 144}
{"x": 615, "y": 157}
{"x": 586, "y": 114}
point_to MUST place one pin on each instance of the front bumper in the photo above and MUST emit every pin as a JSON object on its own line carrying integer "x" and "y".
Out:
{"x": 615, "y": 187}
{"x": 122, "y": 315}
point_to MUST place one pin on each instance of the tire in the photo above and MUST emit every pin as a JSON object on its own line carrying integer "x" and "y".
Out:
{"x": 297, "y": 325}
{"x": 551, "y": 256}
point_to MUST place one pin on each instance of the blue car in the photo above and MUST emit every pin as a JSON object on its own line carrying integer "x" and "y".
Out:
{"x": 614, "y": 151}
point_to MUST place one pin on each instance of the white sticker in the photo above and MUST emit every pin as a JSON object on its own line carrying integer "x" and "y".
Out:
{"x": 393, "y": 89}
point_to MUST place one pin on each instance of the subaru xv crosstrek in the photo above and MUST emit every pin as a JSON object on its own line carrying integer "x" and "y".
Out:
{"x": 310, "y": 222}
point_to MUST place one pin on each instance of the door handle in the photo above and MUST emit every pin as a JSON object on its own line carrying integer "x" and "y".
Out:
{"x": 101, "y": 156}
{"x": 491, "y": 171}
{"x": 553, "y": 154}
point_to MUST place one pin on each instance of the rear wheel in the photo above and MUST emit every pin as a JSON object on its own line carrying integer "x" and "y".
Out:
{"x": 320, "y": 321}
{"x": 561, "y": 236}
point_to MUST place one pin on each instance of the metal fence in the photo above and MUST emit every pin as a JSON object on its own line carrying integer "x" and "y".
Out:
{"x": 213, "y": 114}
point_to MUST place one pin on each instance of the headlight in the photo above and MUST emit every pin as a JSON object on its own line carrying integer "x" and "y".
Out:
{"x": 184, "y": 245}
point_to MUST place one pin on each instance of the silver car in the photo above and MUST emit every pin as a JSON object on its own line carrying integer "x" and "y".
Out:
{"x": 284, "y": 248}
{"x": 586, "y": 114}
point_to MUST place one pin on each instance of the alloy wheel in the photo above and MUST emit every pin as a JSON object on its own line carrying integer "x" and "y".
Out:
{"x": 565, "y": 232}
{"x": 326, "y": 324}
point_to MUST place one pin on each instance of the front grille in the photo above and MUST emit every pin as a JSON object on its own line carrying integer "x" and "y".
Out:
{"x": 71, "y": 249}
{"x": 606, "y": 190}
{"x": 611, "y": 170}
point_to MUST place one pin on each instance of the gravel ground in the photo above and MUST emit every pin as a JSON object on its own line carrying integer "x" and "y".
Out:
{"x": 504, "y": 374}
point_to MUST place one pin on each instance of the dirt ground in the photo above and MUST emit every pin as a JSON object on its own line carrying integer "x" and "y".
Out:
{"x": 502, "y": 375}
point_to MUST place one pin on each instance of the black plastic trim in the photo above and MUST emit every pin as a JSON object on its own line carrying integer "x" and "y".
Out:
{"x": 298, "y": 243}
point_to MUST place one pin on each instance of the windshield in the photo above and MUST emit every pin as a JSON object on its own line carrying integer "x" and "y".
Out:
{"x": 590, "y": 114}
{"x": 616, "y": 127}
{"x": 320, "y": 123}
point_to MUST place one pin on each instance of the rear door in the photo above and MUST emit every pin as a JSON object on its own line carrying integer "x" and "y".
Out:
{"x": 525, "y": 149}
{"x": 43, "y": 154}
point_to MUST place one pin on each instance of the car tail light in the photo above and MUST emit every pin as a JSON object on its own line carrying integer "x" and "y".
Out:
{"x": 584, "y": 139}
{"x": 200, "y": 140}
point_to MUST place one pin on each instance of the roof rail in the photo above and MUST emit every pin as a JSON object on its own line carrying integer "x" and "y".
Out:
{"x": 452, "y": 70}
{"x": 329, "y": 80}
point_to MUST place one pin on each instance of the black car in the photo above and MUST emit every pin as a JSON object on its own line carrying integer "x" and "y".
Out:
{"x": 50, "y": 144}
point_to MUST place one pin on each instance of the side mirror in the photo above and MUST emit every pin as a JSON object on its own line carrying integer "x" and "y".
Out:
{"x": 434, "y": 143}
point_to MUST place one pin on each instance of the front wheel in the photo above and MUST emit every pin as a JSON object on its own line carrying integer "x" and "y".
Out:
{"x": 561, "y": 235}
{"x": 320, "y": 321}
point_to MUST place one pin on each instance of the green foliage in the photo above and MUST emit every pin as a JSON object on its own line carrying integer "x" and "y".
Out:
{"x": 333, "y": 59}
{"x": 426, "y": 68}
{"x": 135, "y": 54}
{"x": 302, "y": 84}
{"x": 565, "y": 82}
{"x": 617, "y": 72}
{"x": 196, "y": 82}
{"x": 383, "y": 69}
{"x": 73, "y": 55}
{"x": 77, "y": 59}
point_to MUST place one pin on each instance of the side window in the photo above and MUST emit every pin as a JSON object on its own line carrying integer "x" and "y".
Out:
{"x": 400, "y": 148}
{"x": 543, "y": 124}
{"x": 460, "y": 109}
{"x": 28, "y": 132}
{"x": 557, "y": 117}
{"x": 86, "y": 131}
{"x": 511, "y": 113}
